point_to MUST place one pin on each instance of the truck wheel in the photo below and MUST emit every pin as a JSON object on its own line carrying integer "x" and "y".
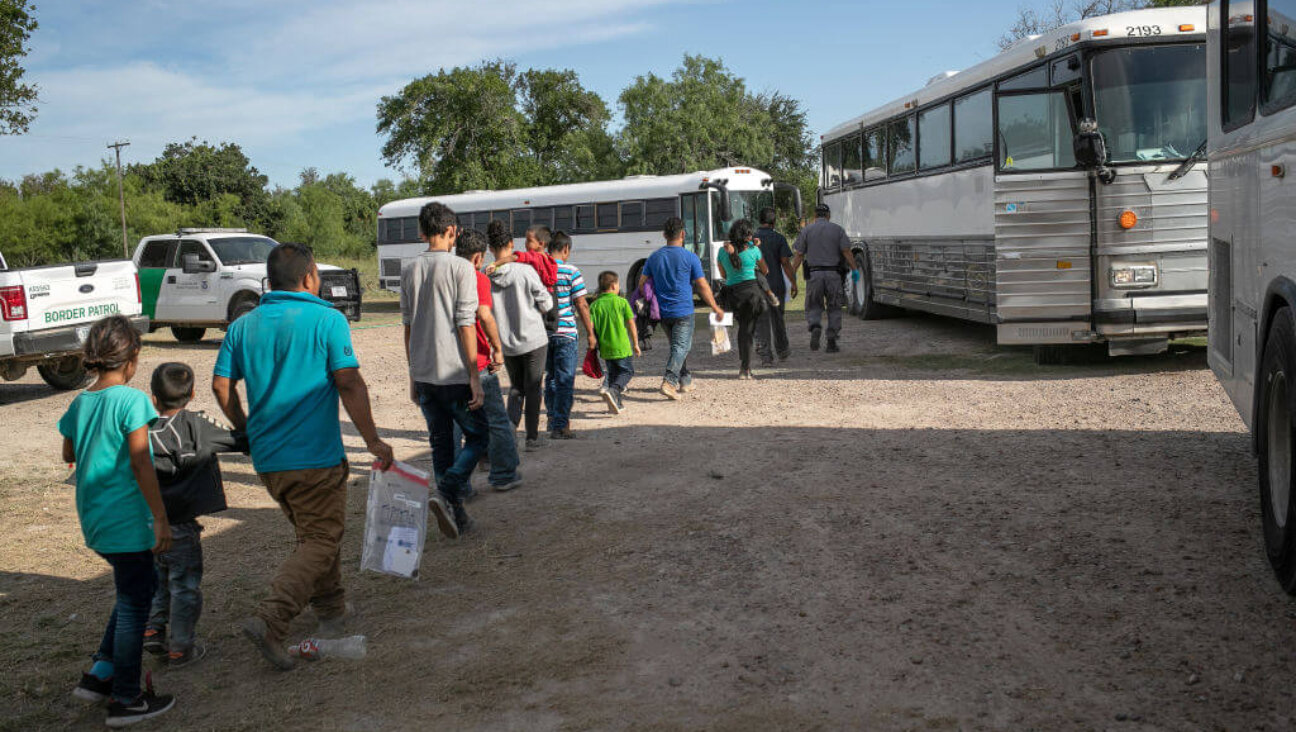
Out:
{"x": 65, "y": 374}
{"x": 242, "y": 305}
{"x": 187, "y": 335}
{"x": 1274, "y": 431}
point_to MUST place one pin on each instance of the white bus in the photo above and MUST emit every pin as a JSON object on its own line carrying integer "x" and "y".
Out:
{"x": 986, "y": 196}
{"x": 1252, "y": 343}
{"x": 615, "y": 224}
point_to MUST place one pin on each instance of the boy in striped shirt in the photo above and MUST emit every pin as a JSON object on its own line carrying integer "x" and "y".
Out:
{"x": 560, "y": 367}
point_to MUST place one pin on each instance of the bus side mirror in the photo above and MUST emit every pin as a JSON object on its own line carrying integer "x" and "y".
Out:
{"x": 191, "y": 264}
{"x": 796, "y": 196}
{"x": 1090, "y": 147}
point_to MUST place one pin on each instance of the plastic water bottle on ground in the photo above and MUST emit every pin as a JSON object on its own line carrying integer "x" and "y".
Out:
{"x": 313, "y": 649}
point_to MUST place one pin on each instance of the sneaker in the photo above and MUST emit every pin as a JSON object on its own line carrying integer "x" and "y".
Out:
{"x": 611, "y": 400}
{"x": 784, "y": 355}
{"x": 669, "y": 390}
{"x": 620, "y": 404}
{"x": 515, "y": 483}
{"x": 93, "y": 690}
{"x": 464, "y": 523}
{"x": 832, "y": 346}
{"x": 444, "y": 518}
{"x": 603, "y": 389}
{"x": 686, "y": 388}
{"x": 188, "y": 657}
{"x": 254, "y": 629}
{"x": 815, "y": 333}
{"x": 744, "y": 376}
{"x": 155, "y": 641}
{"x": 532, "y": 444}
{"x": 146, "y": 706}
{"x": 563, "y": 434}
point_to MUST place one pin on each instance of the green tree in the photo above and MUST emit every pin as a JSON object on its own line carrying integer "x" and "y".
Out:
{"x": 192, "y": 172}
{"x": 705, "y": 117}
{"x": 17, "y": 99}
{"x": 488, "y": 126}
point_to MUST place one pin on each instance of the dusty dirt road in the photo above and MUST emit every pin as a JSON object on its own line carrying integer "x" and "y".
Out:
{"x": 924, "y": 531}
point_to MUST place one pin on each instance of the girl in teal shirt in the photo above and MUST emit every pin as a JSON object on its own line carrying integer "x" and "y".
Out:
{"x": 746, "y": 287}
{"x": 105, "y": 432}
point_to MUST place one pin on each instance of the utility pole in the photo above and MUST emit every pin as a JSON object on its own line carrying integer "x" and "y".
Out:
{"x": 121, "y": 195}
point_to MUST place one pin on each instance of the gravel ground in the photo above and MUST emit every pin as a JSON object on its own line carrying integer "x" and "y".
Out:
{"x": 924, "y": 531}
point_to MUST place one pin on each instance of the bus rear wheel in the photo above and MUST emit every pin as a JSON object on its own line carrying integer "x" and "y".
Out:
{"x": 1274, "y": 432}
{"x": 188, "y": 335}
{"x": 859, "y": 292}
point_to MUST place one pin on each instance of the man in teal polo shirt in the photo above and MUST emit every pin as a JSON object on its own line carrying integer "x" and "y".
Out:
{"x": 293, "y": 354}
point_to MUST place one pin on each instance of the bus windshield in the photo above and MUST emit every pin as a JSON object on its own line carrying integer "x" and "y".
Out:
{"x": 1150, "y": 101}
{"x": 242, "y": 249}
{"x": 742, "y": 205}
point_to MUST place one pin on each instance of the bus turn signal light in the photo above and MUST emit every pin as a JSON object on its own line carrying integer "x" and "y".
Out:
{"x": 1127, "y": 219}
{"x": 1099, "y": 33}
{"x": 1186, "y": 28}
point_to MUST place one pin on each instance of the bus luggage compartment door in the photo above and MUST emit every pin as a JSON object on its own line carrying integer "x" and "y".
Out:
{"x": 1042, "y": 262}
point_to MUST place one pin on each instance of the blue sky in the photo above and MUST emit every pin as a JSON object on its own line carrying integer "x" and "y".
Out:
{"x": 296, "y": 82}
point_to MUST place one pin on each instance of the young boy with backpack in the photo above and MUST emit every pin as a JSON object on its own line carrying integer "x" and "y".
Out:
{"x": 185, "y": 445}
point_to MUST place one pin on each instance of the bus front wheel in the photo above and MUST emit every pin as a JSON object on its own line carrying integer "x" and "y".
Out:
{"x": 1274, "y": 431}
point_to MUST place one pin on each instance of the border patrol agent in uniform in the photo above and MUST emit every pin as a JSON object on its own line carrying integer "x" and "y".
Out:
{"x": 825, "y": 249}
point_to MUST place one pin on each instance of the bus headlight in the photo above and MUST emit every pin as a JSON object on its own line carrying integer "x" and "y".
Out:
{"x": 1133, "y": 275}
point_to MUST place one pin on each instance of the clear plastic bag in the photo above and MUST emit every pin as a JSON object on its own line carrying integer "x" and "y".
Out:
{"x": 720, "y": 340}
{"x": 395, "y": 520}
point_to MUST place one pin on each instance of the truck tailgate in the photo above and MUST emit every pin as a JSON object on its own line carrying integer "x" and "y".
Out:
{"x": 79, "y": 293}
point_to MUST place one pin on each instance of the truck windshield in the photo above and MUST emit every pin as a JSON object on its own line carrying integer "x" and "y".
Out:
{"x": 242, "y": 249}
{"x": 742, "y": 205}
{"x": 1150, "y": 101}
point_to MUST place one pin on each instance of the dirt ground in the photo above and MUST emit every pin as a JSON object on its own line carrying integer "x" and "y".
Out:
{"x": 923, "y": 532}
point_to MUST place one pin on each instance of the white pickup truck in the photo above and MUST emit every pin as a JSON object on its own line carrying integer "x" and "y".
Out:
{"x": 46, "y": 312}
{"x": 197, "y": 279}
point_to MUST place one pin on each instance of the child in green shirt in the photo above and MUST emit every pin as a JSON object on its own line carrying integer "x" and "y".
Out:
{"x": 618, "y": 340}
{"x": 105, "y": 432}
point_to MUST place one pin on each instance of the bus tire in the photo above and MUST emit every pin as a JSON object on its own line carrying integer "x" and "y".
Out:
{"x": 859, "y": 295}
{"x": 188, "y": 335}
{"x": 65, "y": 374}
{"x": 636, "y": 269}
{"x": 242, "y": 304}
{"x": 1274, "y": 433}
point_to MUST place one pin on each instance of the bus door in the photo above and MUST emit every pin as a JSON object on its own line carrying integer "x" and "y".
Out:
{"x": 1043, "y": 232}
{"x": 697, "y": 226}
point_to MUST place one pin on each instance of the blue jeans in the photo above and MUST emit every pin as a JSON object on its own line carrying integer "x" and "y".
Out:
{"x": 618, "y": 371}
{"x": 444, "y": 408}
{"x": 502, "y": 448}
{"x": 177, "y": 601}
{"x": 560, "y": 381}
{"x": 680, "y": 333}
{"x": 123, "y": 640}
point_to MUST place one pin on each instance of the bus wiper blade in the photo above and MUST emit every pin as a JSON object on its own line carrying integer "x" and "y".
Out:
{"x": 1187, "y": 164}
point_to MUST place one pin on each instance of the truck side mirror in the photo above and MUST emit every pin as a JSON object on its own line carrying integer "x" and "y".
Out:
{"x": 1090, "y": 147}
{"x": 191, "y": 264}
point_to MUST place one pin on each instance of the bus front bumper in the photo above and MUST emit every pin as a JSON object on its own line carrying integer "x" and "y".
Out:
{"x": 1149, "y": 314}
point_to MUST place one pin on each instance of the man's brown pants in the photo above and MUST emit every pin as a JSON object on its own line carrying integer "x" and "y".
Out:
{"x": 315, "y": 502}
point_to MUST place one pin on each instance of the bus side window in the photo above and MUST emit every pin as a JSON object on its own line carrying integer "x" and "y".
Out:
{"x": 973, "y": 127}
{"x": 657, "y": 211}
{"x": 1280, "y": 55}
{"x": 1239, "y": 60}
{"x": 562, "y": 218}
{"x": 852, "y": 161}
{"x": 875, "y": 164}
{"x": 585, "y": 217}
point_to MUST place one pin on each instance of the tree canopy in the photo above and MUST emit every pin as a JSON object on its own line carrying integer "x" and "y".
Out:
{"x": 17, "y": 98}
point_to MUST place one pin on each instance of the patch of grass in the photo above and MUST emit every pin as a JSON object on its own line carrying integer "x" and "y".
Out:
{"x": 368, "y": 269}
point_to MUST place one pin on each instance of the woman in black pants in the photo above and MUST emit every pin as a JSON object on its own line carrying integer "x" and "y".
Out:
{"x": 744, "y": 268}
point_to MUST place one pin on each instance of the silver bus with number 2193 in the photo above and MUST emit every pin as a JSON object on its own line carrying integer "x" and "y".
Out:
{"x": 1057, "y": 190}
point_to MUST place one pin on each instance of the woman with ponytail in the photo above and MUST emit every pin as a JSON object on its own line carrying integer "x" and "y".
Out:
{"x": 744, "y": 268}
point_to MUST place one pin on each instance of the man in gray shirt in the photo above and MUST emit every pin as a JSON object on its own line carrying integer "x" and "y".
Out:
{"x": 826, "y": 250}
{"x": 439, "y": 310}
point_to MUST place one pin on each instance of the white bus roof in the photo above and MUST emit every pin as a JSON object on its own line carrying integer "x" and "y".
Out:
{"x": 626, "y": 189}
{"x": 1177, "y": 23}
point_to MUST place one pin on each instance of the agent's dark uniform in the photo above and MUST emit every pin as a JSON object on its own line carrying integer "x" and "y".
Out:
{"x": 821, "y": 244}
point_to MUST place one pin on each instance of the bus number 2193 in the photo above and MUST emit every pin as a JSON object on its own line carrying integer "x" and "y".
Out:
{"x": 1142, "y": 31}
